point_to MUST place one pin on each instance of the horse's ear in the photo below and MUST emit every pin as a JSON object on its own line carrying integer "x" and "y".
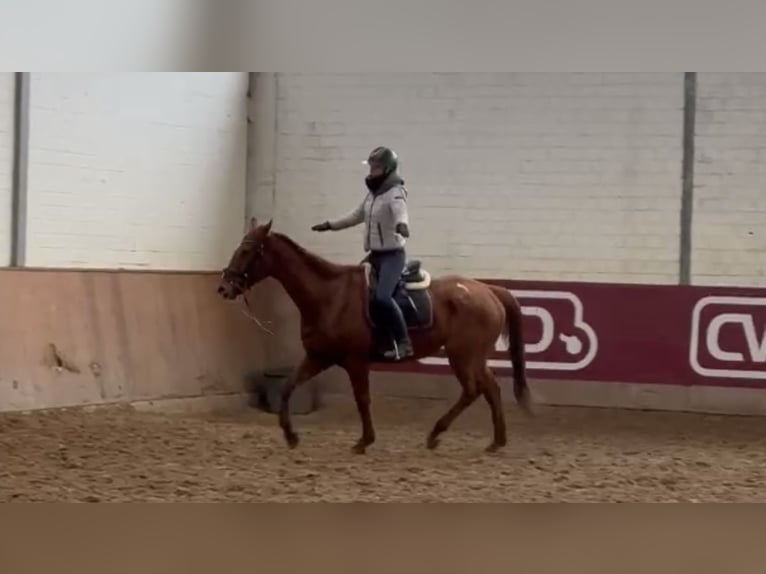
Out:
{"x": 253, "y": 223}
{"x": 268, "y": 226}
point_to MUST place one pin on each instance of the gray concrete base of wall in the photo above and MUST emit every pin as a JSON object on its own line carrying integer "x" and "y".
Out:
{"x": 196, "y": 405}
{"x": 211, "y": 404}
{"x": 713, "y": 400}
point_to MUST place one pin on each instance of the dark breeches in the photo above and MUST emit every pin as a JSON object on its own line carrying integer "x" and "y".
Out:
{"x": 389, "y": 266}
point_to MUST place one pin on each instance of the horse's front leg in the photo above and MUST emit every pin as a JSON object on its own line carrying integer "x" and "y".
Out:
{"x": 309, "y": 367}
{"x": 359, "y": 374}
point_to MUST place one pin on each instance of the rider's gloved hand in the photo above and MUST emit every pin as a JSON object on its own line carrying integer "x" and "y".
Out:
{"x": 322, "y": 226}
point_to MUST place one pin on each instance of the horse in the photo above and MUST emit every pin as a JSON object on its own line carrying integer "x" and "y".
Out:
{"x": 465, "y": 317}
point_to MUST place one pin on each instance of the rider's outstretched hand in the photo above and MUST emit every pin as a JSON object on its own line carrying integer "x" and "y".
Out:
{"x": 322, "y": 226}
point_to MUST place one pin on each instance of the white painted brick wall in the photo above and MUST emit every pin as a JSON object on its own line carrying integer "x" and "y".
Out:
{"x": 570, "y": 176}
{"x": 136, "y": 170}
{"x": 6, "y": 164}
{"x": 729, "y": 240}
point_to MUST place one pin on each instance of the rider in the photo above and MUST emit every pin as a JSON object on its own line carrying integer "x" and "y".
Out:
{"x": 384, "y": 212}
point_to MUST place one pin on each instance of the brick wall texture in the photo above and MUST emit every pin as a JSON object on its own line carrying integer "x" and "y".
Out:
{"x": 136, "y": 170}
{"x": 730, "y": 175}
{"x": 563, "y": 176}
{"x": 570, "y": 176}
{"x": 546, "y": 176}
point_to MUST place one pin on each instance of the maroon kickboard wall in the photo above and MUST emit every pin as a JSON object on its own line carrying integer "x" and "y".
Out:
{"x": 673, "y": 335}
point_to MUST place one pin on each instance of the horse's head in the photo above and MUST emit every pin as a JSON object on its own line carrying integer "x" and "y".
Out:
{"x": 249, "y": 264}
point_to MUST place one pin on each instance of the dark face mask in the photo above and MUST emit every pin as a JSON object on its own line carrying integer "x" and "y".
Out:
{"x": 374, "y": 182}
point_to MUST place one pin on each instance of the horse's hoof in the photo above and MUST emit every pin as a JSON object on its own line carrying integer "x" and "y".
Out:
{"x": 359, "y": 448}
{"x": 432, "y": 443}
{"x": 525, "y": 403}
{"x": 526, "y": 409}
{"x": 494, "y": 447}
{"x": 291, "y": 438}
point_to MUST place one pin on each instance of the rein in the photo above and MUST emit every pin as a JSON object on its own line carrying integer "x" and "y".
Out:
{"x": 248, "y": 312}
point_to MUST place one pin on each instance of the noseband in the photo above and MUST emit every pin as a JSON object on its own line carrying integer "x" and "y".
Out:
{"x": 239, "y": 281}
{"x": 235, "y": 279}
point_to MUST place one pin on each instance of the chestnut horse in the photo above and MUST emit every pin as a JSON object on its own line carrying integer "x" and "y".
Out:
{"x": 467, "y": 318}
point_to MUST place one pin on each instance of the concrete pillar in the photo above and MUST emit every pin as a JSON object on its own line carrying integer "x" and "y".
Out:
{"x": 261, "y": 193}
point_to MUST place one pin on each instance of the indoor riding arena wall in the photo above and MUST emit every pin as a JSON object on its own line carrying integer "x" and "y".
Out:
{"x": 133, "y": 200}
{"x": 6, "y": 164}
{"x": 625, "y": 210}
{"x": 76, "y": 338}
{"x": 638, "y": 252}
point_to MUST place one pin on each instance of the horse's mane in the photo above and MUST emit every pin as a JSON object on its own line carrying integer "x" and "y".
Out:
{"x": 318, "y": 264}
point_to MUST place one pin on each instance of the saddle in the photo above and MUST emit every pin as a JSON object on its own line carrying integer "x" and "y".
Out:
{"x": 411, "y": 294}
{"x": 413, "y": 277}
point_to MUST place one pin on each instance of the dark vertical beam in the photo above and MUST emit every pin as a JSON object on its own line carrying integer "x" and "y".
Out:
{"x": 263, "y": 136}
{"x": 275, "y": 147}
{"x": 250, "y": 149}
{"x": 20, "y": 169}
{"x": 687, "y": 177}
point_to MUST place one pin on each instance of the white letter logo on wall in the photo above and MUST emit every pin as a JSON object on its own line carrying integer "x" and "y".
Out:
{"x": 728, "y": 337}
{"x": 561, "y": 318}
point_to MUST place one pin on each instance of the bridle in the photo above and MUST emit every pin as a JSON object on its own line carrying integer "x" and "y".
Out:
{"x": 240, "y": 281}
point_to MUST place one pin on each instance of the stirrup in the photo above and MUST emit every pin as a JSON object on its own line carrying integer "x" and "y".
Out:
{"x": 395, "y": 354}
{"x": 391, "y": 354}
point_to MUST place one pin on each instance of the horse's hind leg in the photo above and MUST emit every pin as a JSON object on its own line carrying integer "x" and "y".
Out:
{"x": 468, "y": 383}
{"x": 491, "y": 391}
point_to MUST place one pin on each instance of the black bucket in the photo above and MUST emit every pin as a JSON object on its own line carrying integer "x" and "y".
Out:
{"x": 265, "y": 390}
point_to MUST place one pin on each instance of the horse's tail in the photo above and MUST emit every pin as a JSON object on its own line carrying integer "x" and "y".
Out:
{"x": 513, "y": 333}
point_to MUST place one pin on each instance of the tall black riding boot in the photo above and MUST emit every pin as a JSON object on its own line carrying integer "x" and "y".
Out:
{"x": 403, "y": 348}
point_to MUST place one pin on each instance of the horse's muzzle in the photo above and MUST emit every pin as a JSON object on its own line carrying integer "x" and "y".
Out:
{"x": 227, "y": 290}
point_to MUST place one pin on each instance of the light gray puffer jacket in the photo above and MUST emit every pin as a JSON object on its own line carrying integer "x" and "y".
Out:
{"x": 380, "y": 212}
